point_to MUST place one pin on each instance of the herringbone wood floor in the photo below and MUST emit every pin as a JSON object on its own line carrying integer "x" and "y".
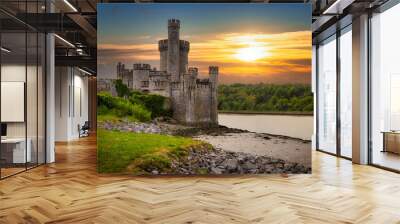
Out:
{"x": 70, "y": 191}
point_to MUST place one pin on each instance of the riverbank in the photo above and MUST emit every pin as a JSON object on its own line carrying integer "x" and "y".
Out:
{"x": 294, "y": 113}
{"x": 233, "y": 151}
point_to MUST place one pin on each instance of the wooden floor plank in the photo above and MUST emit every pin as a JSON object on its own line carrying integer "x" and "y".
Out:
{"x": 71, "y": 191}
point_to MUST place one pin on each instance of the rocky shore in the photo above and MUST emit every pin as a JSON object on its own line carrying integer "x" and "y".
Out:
{"x": 217, "y": 161}
{"x": 234, "y": 151}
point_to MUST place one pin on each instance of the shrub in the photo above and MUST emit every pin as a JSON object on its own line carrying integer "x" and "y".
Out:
{"x": 121, "y": 88}
{"x": 158, "y": 105}
{"x": 140, "y": 112}
{"x": 121, "y": 107}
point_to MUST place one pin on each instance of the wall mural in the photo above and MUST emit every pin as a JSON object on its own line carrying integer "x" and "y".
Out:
{"x": 204, "y": 89}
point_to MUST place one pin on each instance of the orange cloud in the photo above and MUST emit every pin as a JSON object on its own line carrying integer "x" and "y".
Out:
{"x": 237, "y": 54}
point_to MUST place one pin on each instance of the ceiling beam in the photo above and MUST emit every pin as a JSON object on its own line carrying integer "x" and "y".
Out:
{"x": 77, "y": 61}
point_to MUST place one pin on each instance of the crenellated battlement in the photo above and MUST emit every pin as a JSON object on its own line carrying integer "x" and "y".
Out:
{"x": 163, "y": 74}
{"x": 141, "y": 66}
{"x": 213, "y": 70}
{"x": 163, "y": 45}
{"x": 174, "y": 23}
{"x": 193, "y": 70}
{"x": 203, "y": 83}
{"x": 184, "y": 45}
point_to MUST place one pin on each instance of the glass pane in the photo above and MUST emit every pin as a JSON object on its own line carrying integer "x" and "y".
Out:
{"x": 327, "y": 96}
{"x": 13, "y": 86}
{"x": 346, "y": 93}
{"x": 31, "y": 98}
{"x": 385, "y": 114}
{"x": 41, "y": 98}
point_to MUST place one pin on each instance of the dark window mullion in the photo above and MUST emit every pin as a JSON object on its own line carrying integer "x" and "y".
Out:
{"x": 0, "y": 95}
{"x": 26, "y": 86}
{"x": 37, "y": 90}
{"x": 316, "y": 96}
{"x": 338, "y": 76}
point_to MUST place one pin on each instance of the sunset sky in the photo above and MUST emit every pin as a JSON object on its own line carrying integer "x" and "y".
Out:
{"x": 251, "y": 43}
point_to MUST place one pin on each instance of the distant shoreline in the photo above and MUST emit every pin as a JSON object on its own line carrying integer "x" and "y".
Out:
{"x": 297, "y": 113}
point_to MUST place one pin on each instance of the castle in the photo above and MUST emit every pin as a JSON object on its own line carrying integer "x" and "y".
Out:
{"x": 193, "y": 100}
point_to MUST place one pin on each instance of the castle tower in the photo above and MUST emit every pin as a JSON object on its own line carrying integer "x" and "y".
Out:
{"x": 183, "y": 56}
{"x": 213, "y": 72}
{"x": 163, "y": 48}
{"x": 173, "y": 49}
{"x": 193, "y": 71}
{"x": 120, "y": 69}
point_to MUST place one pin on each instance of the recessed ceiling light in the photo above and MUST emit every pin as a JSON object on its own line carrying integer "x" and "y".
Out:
{"x": 5, "y": 50}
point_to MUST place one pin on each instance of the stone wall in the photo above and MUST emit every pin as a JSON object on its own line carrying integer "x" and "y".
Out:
{"x": 178, "y": 101}
{"x": 106, "y": 85}
{"x": 140, "y": 77}
{"x": 202, "y": 106}
{"x": 213, "y": 73}
{"x": 159, "y": 83}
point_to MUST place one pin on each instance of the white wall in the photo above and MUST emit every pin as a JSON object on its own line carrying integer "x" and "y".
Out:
{"x": 71, "y": 94}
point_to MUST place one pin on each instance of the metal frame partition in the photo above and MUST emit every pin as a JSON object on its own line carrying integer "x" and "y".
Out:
{"x": 39, "y": 117}
{"x": 337, "y": 30}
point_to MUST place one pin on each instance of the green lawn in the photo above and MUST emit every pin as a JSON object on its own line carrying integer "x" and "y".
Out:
{"x": 114, "y": 118}
{"x": 138, "y": 153}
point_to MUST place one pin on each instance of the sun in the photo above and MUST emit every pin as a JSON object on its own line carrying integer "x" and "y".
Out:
{"x": 251, "y": 53}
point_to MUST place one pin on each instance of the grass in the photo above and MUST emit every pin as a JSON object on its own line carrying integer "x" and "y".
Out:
{"x": 114, "y": 118}
{"x": 139, "y": 153}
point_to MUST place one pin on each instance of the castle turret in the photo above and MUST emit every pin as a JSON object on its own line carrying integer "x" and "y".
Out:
{"x": 163, "y": 48}
{"x": 120, "y": 70}
{"x": 139, "y": 66}
{"x": 173, "y": 49}
{"x": 184, "y": 55}
{"x": 213, "y": 72}
{"x": 193, "y": 71}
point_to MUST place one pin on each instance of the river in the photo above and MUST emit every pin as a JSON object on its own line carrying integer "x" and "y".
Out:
{"x": 289, "y": 125}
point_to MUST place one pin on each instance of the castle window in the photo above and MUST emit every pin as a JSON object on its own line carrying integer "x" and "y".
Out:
{"x": 145, "y": 83}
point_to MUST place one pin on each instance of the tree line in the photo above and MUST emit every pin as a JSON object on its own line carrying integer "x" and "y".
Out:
{"x": 265, "y": 98}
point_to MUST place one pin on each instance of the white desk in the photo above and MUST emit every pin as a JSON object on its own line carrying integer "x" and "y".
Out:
{"x": 19, "y": 154}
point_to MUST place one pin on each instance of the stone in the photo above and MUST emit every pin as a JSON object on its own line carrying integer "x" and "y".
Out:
{"x": 279, "y": 165}
{"x": 215, "y": 170}
{"x": 253, "y": 171}
{"x": 249, "y": 166}
{"x": 154, "y": 172}
{"x": 230, "y": 164}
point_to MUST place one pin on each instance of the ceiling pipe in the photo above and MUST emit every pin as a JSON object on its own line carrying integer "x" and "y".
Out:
{"x": 65, "y": 41}
{"x": 70, "y": 6}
